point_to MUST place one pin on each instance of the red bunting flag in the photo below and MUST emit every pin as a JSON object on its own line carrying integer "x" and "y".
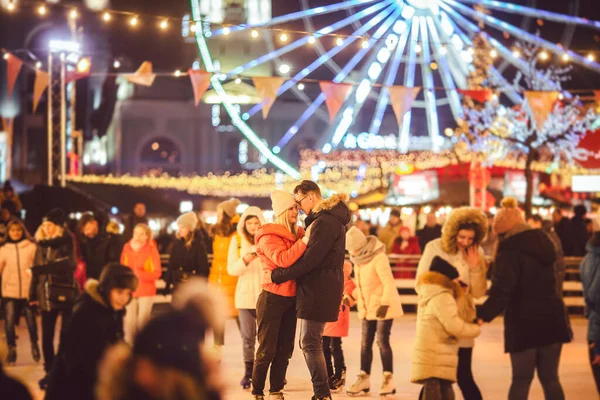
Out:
{"x": 481, "y": 95}
{"x": 42, "y": 79}
{"x": 541, "y": 105}
{"x": 335, "y": 95}
{"x": 200, "y": 83}
{"x": 401, "y": 99}
{"x": 13, "y": 66}
{"x": 267, "y": 88}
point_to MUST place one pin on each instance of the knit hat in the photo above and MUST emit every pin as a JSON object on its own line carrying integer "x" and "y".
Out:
{"x": 229, "y": 207}
{"x": 395, "y": 213}
{"x": 56, "y": 216}
{"x": 116, "y": 276}
{"x": 355, "y": 240}
{"x": 508, "y": 216}
{"x": 281, "y": 202}
{"x": 188, "y": 220}
{"x": 444, "y": 267}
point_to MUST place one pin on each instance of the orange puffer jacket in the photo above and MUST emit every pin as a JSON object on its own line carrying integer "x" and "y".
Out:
{"x": 145, "y": 264}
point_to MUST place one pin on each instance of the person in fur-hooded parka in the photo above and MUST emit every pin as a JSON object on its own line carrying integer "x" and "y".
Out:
{"x": 460, "y": 245}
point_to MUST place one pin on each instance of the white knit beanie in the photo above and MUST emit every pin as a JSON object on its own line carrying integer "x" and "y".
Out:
{"x": 188, "y": 220}
{"x": 282, "y": 201}
{"x": 355, "y": 240}
{"x": 229, "y": 207}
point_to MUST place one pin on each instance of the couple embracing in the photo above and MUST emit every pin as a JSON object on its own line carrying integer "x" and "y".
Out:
{"x": 303, "y": 279}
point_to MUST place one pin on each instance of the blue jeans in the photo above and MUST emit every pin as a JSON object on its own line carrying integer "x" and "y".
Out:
{"x": 248, "y": 330}
{"x": 311, "y": 343}
{"x": 12, "y": 313}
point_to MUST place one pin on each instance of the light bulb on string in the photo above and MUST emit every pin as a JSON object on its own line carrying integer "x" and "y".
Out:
{"x": 418, "y": 48}
{"x": 339, "y": 41}
{"x": 365, "y": 44}
{"x": 42, "y": 10}
{"x": 566, "y": 57}
{"x": 73, "y": 14}
{"x": 284, "y": 69}
{"x": 177, "y": 73}
{"x": 6, "y": 56}
{"x": 591, "y": 57}
{"x": 301, "y": 86}
{"x": 494, "y": 53}
{"x": 238, "y": 81}
{"x": 11, "y": 6}
{"x": 165, "y": 24}
{"x": 226, "y": 31}
{"x": 254, "y": 33}
{"x": 117, "y": 64}
{"x": 283, "y": 37}
{"x": 516, "y": 53}
{"x": 443, "y": 50}
{"x": 106, "y": 17}
{"x": 134, "y": 21}
{"x": 544, "y": 55}
{"x": 311, "y": 39}
{"x": 433, "y": 66}
{"x": 38, "y": 65}
{"x": 194, "y": 28}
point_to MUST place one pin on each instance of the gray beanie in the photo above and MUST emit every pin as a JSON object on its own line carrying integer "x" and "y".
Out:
{"x": 355, "y": 240}
{"x": 188, "y": 220}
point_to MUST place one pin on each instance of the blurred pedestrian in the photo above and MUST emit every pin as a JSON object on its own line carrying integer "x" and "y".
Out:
{"x": 137, "y": 217}
{"x": 53, "y": 287}
{"x": 388, "y": 233}
{"x": 578, "y": 232}
{"x": 96, "y": 248}
{"x": 431, "y": 231}
{"x": 9, "y": 194}
{"x": 560, "y": 266}
{"x": 141, "y": 255}
{"x": 243, "y": 262}
{"x": 96, "y": 324}
{"x": 561, "y": 227}
{"x": 16, "y": 259}
{"x": 524, "y": 288}
{"x": 406, "y": 244}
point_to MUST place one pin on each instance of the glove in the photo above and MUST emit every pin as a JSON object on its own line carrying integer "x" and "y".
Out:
{"x": 382, "y": 312}
{"x": 307, "y": 234}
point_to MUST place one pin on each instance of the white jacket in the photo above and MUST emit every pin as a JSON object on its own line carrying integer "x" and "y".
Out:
{"x": 375, "y": 286}
{"x": 474, "y": 278}
{"x": 16, "y": 260}
{"x": 435, "y": 353}
{"x": 249, "y": 284}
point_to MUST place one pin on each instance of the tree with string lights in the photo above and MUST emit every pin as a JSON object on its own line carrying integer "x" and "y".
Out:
{"x": 526, "y": 131}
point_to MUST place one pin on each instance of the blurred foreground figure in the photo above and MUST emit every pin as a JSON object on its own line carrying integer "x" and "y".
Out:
{"x": 168, "y": 359}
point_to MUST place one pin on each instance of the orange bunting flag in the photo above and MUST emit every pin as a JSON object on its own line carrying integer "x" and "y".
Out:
{"x": 481, "y": 96}
{"x": 42, "y": 79}
{"x": 13, "y": 66}
{"x": 267, "y": 88}
{"x": 335, "y": 94}
{"x": 143, "y": 76}
{"x": 200, "y": 83}
{"x": 401, "y": 99}
{"x": 541, "y": 105}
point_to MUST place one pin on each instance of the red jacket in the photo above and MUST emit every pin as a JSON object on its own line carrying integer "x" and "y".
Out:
{"x": 341, "y": 327}
{"x": 413, "y": 248}
{"x": 278, "y": 247}
{"x": 145, "y": 264}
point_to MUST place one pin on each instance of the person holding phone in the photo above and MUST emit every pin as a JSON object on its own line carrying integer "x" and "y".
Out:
{"x": 460, "y": 246}
{"x": 244, "y": 263}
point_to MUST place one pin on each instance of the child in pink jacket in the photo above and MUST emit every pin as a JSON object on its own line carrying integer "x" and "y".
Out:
{"x": 335, "y": 331}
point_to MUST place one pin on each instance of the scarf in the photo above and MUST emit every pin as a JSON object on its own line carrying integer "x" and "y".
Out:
{"x": 367, "y": 253}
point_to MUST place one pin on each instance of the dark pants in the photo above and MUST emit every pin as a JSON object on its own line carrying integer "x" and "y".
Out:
{"x": 276, "y": 318}
{"x": 332, "y": 349}
{"x": 12, "y": 314}
{"x": 465, "y": 380}
{"x": 48, "y": 327}
{"x": 311, "y": 343}
{"x": 524, "y": 365}
{"x": 383, "y": 330}
{"x": 595, "y": 368}
{"x": 436, "y": 389}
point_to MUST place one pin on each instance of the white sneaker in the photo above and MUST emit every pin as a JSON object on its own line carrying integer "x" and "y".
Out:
{"x": 276, "y": 396}
{"x": 388, "y": 387}
{"x": 361, "y": 386}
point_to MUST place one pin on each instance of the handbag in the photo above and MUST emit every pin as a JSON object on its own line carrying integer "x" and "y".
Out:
{"x": 60, "y": 289}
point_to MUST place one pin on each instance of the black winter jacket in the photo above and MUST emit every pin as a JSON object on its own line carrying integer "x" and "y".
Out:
{"x": 524, "y": 286}
{"x": 192, "y": 260}
{"x": 93, "y": 328}
{"x": 319, "y": 273}
{"x": 98, "y": 252}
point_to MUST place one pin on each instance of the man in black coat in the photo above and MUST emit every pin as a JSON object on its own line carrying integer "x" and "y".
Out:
{"x": 319, "y": 275}
{"x": 431, "y": 231}
{"x": 97, "y": 248}
{"x": 578, "y": 232}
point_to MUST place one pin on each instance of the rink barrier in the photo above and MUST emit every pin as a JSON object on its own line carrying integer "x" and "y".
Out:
{"x": 572, "y": 287}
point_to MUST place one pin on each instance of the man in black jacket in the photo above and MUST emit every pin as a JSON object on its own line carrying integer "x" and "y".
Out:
{"x": 97, "y": 248}
{"x": 319, "y": 276}
{"x": 431, "y": 231}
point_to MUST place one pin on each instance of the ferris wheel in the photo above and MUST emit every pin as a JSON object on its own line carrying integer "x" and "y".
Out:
{"x": 410, "y": 43}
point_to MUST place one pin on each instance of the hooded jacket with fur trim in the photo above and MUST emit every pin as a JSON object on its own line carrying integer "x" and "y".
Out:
{"x": 249, "y": 284}
{"x": 447, "y": 249}
{"x": 94, "y": 327}
{"x": 439, "y": 326}
{"x": 319, "y": 272}
{"x": 16, "y": 259}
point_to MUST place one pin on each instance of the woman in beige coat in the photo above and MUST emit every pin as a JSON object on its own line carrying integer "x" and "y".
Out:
{"x": 439, "y": 328}
{"x": 378, "y": 304}
{"x": 459, "y": 245}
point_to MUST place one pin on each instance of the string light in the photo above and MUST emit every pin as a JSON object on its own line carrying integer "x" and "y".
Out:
{"x": 42, "y": 10}
{"x": 177, "y": 73}
{"x": 38, "y": 65}
{"x": 433, "y": 66}
{"x": 226, "y": 31}
{"x": 301, "y": 86}
{"x": 165, "y": 24}
{"x": 254, "y": 33}
{"x": 106, "y": 17}
{"x": 83, "y": 65}
{"x": 566, "y": 57}
{"x": 6, "y": 56}
{"x": 516, "y": 53}
{"x": 544, "y": 55}
{"x": 443, "y": 50}
{"x": 284, "y": 69}
{"x": 365, "y": 44}
{"x": 339, "y": 41}
{"x": 591, "y": 57}
{"x": 311, "y": 39}
{"x": 449, "y": 132}
{"x": 73, "y": 14}
{"x": 283, "y": 38}
{"x": 11, "y": 6}
{"x": 238, "y": 81}
{"x": 418, "y": 48}
{"x": 117, "y": 64}
{"x": 194, "y": 28}
{"x": 134, "y": 21}
{"x": 494, "y": 53}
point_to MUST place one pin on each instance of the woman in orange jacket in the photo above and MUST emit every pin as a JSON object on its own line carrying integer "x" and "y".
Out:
{"x": 279, "y": 244}
{"x": 141, "y": 255}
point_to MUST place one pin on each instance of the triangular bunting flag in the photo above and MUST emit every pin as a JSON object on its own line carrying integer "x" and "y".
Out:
{"x": 143, "y": 76}
{"x": 335, "y": 94}
{"x": 42, "y": 79}
{"x": 480, "y": 95}
{"x": 401, "y": 99}
{"x": 267, "y": 88}
{"x": 541, "y": 105}
{"x": 200, "y": 83}
{"x": 13, "y": 66}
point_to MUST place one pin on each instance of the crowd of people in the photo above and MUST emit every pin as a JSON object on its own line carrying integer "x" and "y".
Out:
{"x": 271, "y": 277}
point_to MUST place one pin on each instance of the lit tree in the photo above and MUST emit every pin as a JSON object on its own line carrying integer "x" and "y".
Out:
{"x": 514, "y": 130}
